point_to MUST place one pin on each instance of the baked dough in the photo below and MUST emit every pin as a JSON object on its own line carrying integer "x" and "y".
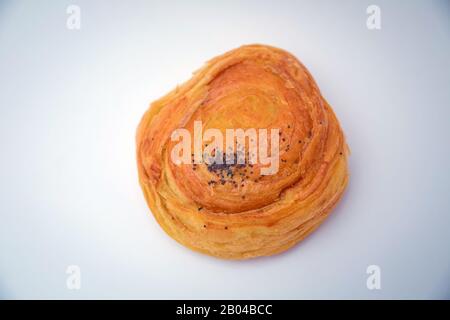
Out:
{"x": 234, "y": 212}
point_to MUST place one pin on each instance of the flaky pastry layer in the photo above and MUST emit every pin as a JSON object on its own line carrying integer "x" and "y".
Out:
{"x": 243, "y": 214}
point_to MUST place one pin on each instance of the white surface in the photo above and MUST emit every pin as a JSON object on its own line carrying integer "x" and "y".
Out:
{"x": 71, "y": 100}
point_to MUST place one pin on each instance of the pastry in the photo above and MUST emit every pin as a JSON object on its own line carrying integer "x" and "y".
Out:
{"x": 245, "y": 159}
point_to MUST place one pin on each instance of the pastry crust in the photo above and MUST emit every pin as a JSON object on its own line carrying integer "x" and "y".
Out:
{"x": 244, "y": 214}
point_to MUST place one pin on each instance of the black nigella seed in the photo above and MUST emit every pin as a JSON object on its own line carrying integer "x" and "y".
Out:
{"x": 200, "y": 208}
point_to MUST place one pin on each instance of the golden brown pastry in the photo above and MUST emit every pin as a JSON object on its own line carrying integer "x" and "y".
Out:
{"x": 235, "y": 210}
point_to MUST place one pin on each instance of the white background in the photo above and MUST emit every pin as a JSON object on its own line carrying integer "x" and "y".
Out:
{"x": 70, "y": 102}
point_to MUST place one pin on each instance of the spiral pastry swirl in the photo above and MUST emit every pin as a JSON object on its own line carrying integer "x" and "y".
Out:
{"x": 233, "y": 210}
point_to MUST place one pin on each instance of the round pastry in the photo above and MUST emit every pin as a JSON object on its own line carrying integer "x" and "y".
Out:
{"x": 245, "y": 159}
